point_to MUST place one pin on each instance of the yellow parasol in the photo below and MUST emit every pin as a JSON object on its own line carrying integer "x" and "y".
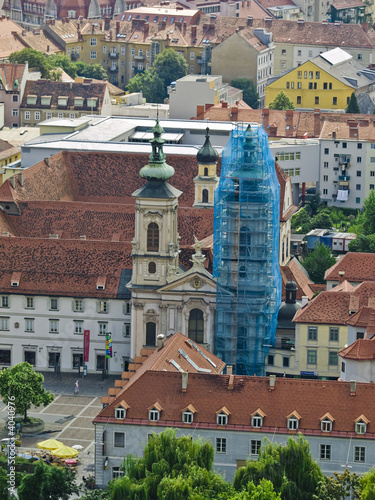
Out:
{"x": 50, "y": 444}
{"x": 65, "y": 452}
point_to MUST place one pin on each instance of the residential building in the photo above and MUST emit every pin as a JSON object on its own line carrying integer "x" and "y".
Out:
{"x": 236, "y": 413}
{"x": 193, "y": 90}
{"x": 13, "y": 79}
{"x": 44, "y": 99}
{"x": 9, "y": 160}
{"x": 287, "y": 209}
{"x": 326, "y": 81}
{"x": 347, "y": 11}
{"x": 321, "y": 329}
{"x": 354, "y": 267}
{"x": 246, "y": 251}
{"x": 248, "y": 53}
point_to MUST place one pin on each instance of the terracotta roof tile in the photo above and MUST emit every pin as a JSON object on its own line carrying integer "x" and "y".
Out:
{"x": 207, "y": 393}
{"x": 360, "y": 350}
{"x": 361, "y": 317}
{"x": 294, "y": 271}
{"x": 356, "y": 265}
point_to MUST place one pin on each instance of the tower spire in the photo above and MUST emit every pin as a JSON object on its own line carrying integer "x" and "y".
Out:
{"x": 157, "y": 168}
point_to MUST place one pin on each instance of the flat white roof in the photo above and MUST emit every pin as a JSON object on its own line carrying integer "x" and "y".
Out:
{"x": 336, "y": 56}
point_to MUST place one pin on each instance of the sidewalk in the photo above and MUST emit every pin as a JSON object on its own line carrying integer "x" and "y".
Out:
{"x": 92, "y": 385}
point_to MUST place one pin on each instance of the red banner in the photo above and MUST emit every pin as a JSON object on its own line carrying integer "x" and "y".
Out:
{"x": 86, "y": 345}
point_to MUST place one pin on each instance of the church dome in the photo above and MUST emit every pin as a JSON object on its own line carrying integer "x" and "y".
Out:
{"x": 207, "y": 154}
{"x": 288, "y": 308}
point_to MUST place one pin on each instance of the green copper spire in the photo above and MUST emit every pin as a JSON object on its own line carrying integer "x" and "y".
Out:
{"x": 207, "y": 154}
{"x": 157, "y": 168}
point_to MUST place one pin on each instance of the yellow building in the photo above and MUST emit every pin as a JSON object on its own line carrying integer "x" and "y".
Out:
{"x": 8, "y": 156}
{"x": 325, "y": 82}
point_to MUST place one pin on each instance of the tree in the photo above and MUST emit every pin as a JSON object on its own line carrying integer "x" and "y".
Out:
{"x": 169, "y": 66}
{"x": 367, "y": 485}
{"x": 290, "y": 469}
{"x": 250, "y": 94}
{"x": 54, "y": 483}
{"x": 353, "y": 105}
{"x": 321, "y": 220}
{"x": 35, "y": 59}
{"x": 368, "y": 214}
{"x": 149, "y": 84}
{"x": 281, "y": 101}
{"x": 91, "y": 70}
{"x": 318, "y": 261}
{"x": 24, "y": 387}
{"x": 363, "y": 243}
{"x": 63, "y": 62}
{"x": 337, "y": 487}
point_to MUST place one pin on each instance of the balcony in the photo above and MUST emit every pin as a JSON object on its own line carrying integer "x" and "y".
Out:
{"x": 113, "y": 69}
{"x": 345, "y": 178}
{"x": 113, "y": 55}
{"x": 139, "y": 57}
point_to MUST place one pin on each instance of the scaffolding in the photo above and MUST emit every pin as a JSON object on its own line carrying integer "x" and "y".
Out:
{"x": 246, "y": 249}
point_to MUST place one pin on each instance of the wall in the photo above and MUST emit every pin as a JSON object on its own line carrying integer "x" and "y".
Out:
{"x": 189, "y": 94}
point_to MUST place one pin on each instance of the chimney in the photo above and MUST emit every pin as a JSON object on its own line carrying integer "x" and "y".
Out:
{"x": 194, "y": 32}
{"x": 249, "y": 21}
{"x": 110, "y": 34}
{"x": 234, "y": 114}
{"x": 229, "y": 369}
{"x": 272, "y": 383}
{"x": 268, "y": 22}
{"x": 316, "y": 122}
{"x": 353, "y": 387}
{"x": 184, "y": 376}
{"x": 107, "y": 23}
{"x": 200, "y": 110}
{"x": 23, "y": 32}
{"x": 146, "y": 29}
{"x": 117, "y": 27}
{"x": 231, "y": 382}
{"x": 341, "y": 276}
{"x": 305, "y": 300}
{"x": 265, "y": 112}
{"x": 224, "y": 104}
{"x": 160, "y": 340}
{"x": 12, "y": 182}
{"x": 92, "y": 29}
{"x": 20, "y": 178}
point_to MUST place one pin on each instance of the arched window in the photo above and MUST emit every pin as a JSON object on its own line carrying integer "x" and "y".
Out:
{"x": 205, "y": 172}
{"x": 245, "y": 241}
{"x": 150, "y": 333}
{"x": 196, "y": 326}
{"x": 153, "y": 237}
{"x": 152, "y": 268}
{"x": 205, "y": 196}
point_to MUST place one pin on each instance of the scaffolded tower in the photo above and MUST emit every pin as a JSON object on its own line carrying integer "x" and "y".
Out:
{"x": 246, "y": 248}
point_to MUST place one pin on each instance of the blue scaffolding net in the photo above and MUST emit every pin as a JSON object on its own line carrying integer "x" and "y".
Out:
{"x": 246, "y": 251}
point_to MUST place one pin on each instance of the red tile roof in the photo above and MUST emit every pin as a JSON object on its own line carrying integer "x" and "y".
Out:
{"x": 357, "y": 267}
{"x": 209, "y": 393}
{"x": 9, "y": 73}
{"x": 294, "y": 271}
{"x": 361, "y": 317}
{"x": 360, "y": 350}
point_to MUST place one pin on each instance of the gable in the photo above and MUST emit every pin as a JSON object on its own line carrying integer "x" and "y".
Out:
{"x": 191, "y": 283}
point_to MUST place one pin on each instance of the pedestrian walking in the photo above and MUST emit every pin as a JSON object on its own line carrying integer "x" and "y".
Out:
{"x": 76, "y": 387}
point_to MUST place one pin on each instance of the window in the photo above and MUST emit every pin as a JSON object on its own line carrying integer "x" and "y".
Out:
{"x": 358, "y": 187}
{"x": 256, "y": 421}
{"x": 93, "y": 54}
{"x": 102, "y": 328}
{"x": 29, "y": 325}
{"x": 359, "y": 454}
{"x": 187, "y": 417}
{"x": 285, "y": 362}
{"x": 30, "y": 357}
{"x": 334, "y": 101}
{"x": 53, "y": 304}
{"x": 359, "y": 57}
{"x": 255, "y": 445}
{"x": 221, "y": 445}
{"x": 133, "y": 52}
{"x": 53, "y": 359}
{"x": 326, "y": 425}
{"x": 29, "y": 303}
{"x": 4, "y": 356}
{"x": 4, "y": 301}
{"x": 271, "y": 359}
{"x": 287, "y": 85}
{"x": 37, "y": 115}
{"x": 152, "y": 268}
{"x": 358, "y": 200}
{"x": 153, "y": 415}
{"x": 334, "y": 334}
{"x": 153, "y": 237}
{"x": 360, "y": 427}
{"x": 53, "y": 326}
{"x": 92, "y": 42}
{"x": 312, "y": 333}
{"x": 330, "y": 86}
{"x": 14, "y": 98}
{"x": 299, "y": 85}
{"x": 4, "y": 323}
{"x": 359, "y": 159}
{"x": 325, "y": 178}
{"x": 325, "y": 86}
{"x": 283, "y": 52}
{"x": 15, "y": 112}
{"x": 299, "y": 74}
{"x": 359, "y": 145}
{"x": 126, "y": 329}
{"x": 120, "y": 413}
{"x": 310, "y": 86}
{"x": 100, "y": 361}
{"x": 299, "y": 99}
{"x": 27, "y": 115}
{"x": 325, "y": 452}
{"x": 205, "y": 196}
{"x": 325, "y": 191}
{"x": 316, "y": 100}
{"x": 117, "y": 472}
{"x": 311, "y": 357}
{"x": 196, "y": 326}
{"x": 343, "y": 367}
{"x": 317, "y": 75}
{"x": 78, "y": 327}
{"x": 326, "y": 151}
{"x": 103, "y": 306}
{"x": 48, "y": 116}
{"x": 359, "y": 173}
{"x": 78, "y": 305}
{"x": 333, "y": 358}
{"x": 127, "y": 307}
{"x": 150, "y": 333}
{"x": 293, "y": 423}
{"x": 221, "y": 419}
{"x": 119, "y": 439}
{"x": 77, "y": 360}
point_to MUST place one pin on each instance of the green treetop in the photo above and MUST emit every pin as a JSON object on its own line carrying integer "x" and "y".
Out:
{"x": 353, "y": 105}
{"x": 282, "y": 102}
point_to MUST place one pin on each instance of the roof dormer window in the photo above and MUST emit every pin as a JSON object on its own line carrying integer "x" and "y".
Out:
{"x": 31, "y": 99}
{"x": 154, "y": 412}
{"x": 78, "y": 102}
{"x": 222, "y": 416}
{"x": 326, "y": 422}
{"x": 62, "y": 101}
{"x": 257, "y": 418}
{"x": 293, "y": 420}
{"x": 92, "y": 102}
{"x": 45, "y": 100}
{"x": 361, "y": 424}
{"x": 120, "y": 413}
{"x": 187, "y": 417}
